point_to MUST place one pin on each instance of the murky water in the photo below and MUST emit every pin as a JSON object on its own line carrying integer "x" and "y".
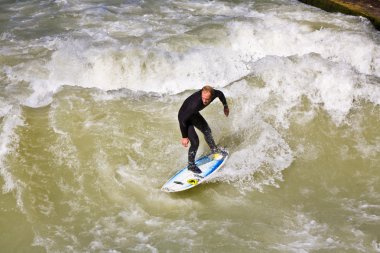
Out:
{"x": 89, "y": 96}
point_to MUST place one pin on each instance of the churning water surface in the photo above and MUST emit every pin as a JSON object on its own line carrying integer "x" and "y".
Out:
{"x": 89, "y": 96}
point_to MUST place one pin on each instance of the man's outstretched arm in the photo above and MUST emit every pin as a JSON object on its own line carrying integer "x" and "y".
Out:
{"x": 222, "y": 99}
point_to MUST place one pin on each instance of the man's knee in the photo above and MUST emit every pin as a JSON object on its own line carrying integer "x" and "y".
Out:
{"x": 194, "y": 144}
{"x": 194, "y": 140}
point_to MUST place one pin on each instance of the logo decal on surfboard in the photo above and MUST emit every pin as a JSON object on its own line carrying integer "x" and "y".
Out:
{"x": 193, "y": 181}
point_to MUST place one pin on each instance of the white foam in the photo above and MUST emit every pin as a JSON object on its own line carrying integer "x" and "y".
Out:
{"x": 42, "y": 241}
{"x": 136, "y": 69}
{"x": 145, "y": 248}
{"x": 259, "y": 159}
{"x": 96, "y": 245}
{"x": 288, "y": 34}
{"x": 376, "y": 245}
{"x": 362, "y": 211}
{"x": 63, "y": 150}
{"x": 4, "y": 108}
{"x": 368, "y": 88}
{"x": 368, "y": 149}
{"x": 327, "y": 84}
{"x": 304, "y": 234}
{"x": 8, "y": 143}
{"x": 108, "y": 70}
{"x": 93, "y": 58}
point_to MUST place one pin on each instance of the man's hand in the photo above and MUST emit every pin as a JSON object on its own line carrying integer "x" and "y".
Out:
{"x": 226, "y": 111}
{"x": 185, "y": 142}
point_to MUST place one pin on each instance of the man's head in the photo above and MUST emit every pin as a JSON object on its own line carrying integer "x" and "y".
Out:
{"x": 207, "y": 93}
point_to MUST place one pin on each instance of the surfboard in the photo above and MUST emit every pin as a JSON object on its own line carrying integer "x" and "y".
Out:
{"x": 184, "y": 179}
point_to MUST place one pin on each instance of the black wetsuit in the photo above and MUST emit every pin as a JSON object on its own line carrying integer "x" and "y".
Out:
{"x": 189, "y": 116}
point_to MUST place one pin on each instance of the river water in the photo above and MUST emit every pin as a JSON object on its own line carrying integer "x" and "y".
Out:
{"x": 89, "y": 95}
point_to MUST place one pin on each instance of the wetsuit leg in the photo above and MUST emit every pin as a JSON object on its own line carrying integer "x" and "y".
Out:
{"x": 199, "y": 122}
{"x": 194, "y": 141}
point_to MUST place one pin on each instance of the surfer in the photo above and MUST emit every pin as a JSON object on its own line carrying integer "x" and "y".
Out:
{"x": 189, "y": 117}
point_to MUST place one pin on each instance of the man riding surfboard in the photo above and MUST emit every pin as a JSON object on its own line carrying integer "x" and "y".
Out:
{"x": 189, "y": 117}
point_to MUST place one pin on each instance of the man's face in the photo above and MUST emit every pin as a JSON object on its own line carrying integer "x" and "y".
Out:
{"x": 206, "y": 97}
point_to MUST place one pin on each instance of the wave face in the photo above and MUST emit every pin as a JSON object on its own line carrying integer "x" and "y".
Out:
{"x": 89, "y": 96}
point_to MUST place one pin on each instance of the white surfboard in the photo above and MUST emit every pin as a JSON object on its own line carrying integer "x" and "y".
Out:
{"x": 185, "y": 179}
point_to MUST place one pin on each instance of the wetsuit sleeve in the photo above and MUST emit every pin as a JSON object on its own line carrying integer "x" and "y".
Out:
{"x": 221, "y": 97}
{"x": 184, "y": 115}
{"x": 183, "y": 125}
